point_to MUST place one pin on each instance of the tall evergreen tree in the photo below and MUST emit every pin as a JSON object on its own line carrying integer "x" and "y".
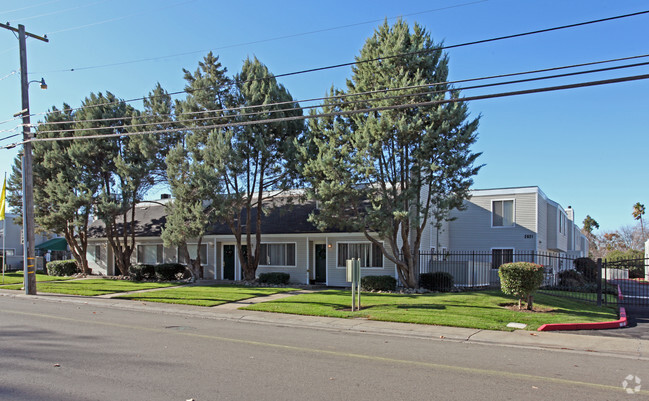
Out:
{"x": 254, "y": 162}
{"x": 193, "y": 182}
{"x": 390, "y": 172}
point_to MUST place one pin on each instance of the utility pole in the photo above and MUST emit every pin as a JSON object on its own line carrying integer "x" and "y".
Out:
{"x": 29, "y": 251}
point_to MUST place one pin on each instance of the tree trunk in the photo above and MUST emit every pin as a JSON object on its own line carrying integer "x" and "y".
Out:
{"x": 530, "y": 302}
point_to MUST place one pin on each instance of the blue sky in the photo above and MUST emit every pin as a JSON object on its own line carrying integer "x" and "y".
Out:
{"x": 585, "y": 148}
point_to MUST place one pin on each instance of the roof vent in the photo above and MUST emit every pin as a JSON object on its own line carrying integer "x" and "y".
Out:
{"x": 165, "y": 196}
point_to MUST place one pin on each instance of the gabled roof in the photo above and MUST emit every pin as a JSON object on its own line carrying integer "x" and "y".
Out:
{"x": 288, "y": 218}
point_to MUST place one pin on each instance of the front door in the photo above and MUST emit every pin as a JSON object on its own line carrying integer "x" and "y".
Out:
{"x": 228, "y": 262}
{"x": 320, "y": 263}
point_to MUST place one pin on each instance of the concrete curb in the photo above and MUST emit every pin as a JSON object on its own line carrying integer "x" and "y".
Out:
{"x": 614, "y": 324}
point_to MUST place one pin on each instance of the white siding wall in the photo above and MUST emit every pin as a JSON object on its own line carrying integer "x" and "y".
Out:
{"x": 98, "y": 265}
{"x": 472, "y": 229}
{"x": 298, "y": 273}
{"x": 542, "y": 222}
{"x": 336, "y": 276}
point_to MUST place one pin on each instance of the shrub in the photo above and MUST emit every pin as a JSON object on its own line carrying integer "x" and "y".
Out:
{"x": 437, "y": 281}
{"x": 169, "y": 271}
{"x": 521, "y": 279}
{"x": 274, "y": 278}
{"x": 62, "y": 268}
{"x": 571, "y": 279}
{"x": 588, "y": 269}
{"x": 141, "y": 272}
{"x": 378, "y": 283}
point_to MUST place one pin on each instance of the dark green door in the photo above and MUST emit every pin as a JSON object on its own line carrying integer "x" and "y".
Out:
{"x": 321, "y": 263}
{"x": 228, "y": 262}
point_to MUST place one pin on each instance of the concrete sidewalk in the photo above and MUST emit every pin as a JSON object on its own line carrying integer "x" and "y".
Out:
{"x": 620, "y": 347}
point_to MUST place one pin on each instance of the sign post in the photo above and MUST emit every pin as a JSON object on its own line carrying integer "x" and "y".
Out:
{"x": 354, "y": 277}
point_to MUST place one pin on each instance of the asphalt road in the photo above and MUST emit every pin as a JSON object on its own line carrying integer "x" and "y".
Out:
{"x": 63, "y": 351}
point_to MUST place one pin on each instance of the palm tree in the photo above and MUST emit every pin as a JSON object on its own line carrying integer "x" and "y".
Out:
{"x": 638, "y": 211}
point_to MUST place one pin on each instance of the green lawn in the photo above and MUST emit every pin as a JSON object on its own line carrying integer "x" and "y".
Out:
{"x": 17, "y": 277}
{"x": 92, "y": 287}
{"x": 587, "y": 296}
{"x": 205, "y": 295}
{"x": 481, "y": 309}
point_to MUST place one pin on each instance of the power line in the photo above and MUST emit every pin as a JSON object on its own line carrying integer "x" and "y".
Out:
{"x": 245, "y": 43}
{"x": 117, "y": 19}
{"x": 405, "y": 54}
{"x": 428, "y": 85}
{"x": 350, "y": 112}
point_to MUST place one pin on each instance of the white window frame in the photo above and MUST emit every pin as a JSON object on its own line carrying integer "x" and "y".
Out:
{"x": 362, "y": 267}
{"x": 562, "y": 223}
{"x": 203, "y": 262}
{"x": 282, "y": 243}
{"x": 137, "y": 254}
{"x": 513, "y": 200}
{"x": 9, "y": 251}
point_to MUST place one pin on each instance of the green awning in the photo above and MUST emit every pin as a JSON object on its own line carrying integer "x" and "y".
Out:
{"x": 55, "y": 244}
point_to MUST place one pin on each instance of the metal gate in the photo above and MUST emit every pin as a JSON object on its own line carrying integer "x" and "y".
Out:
{"x": 631, "y": 278}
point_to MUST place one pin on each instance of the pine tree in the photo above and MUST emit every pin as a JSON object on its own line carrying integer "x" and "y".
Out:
{"x": 391, "y": 172}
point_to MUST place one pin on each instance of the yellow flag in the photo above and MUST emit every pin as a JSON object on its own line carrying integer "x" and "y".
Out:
{"x": 2, "y": 200}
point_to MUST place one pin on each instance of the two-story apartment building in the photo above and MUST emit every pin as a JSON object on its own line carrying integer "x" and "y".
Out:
{"x": 504, "y": 220}
{"x": 500, "y": 221}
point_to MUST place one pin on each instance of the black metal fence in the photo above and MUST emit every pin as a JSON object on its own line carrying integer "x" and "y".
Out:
{"x": 479, "y": 269}
{"x": 630, "y": 277}
{"x": 592, "y": 282}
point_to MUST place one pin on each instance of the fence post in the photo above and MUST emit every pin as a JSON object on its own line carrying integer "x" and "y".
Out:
{"x": 599, "y": 281}
{"x": 473, "y": 269}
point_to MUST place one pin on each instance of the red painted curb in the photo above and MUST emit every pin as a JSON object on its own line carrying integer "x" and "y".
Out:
{"x": 615, "y": 324}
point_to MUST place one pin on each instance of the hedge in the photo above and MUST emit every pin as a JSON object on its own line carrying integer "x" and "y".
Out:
{"x": 141, "y": 272}
{"x": 521, "y": 279}
{"x": 274, "y": 278}
{"x": 437, "y": 281}
{"x": 62, "y": 268}
{"x": 169, "y": 271}
{"x": 378, "y": 283}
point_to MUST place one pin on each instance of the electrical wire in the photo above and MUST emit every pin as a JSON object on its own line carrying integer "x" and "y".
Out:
{"x": 243, "y": 43}
{"x": 414, "y": 53}
{"x": 8, "y": 75}
{"x": 350, "y": 112}
{"x": 301, "y": 108}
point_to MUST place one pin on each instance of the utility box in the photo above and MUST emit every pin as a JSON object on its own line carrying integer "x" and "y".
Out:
{"x": 353, "y": 270}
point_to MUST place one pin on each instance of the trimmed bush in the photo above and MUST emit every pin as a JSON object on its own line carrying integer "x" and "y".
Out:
{"x": 521, "y": 279}
{"x": 588, "y": 269}
{"x": 437, "y": 281}
{"x": 378, "y": 283}
{"x": 169, "y": 271}
{"x": 571, "y": 279}
{"x": 274, "y": 278}
{"x": 141, "y": 272}
{"x": 62, "y": 268}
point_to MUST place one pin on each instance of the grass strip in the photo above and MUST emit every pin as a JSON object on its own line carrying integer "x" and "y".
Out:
{"x": 93, "y": 287}
{"x": 479, "y": 309}
{"x": 211, "y": 295}
{"x": 18, "y": 278}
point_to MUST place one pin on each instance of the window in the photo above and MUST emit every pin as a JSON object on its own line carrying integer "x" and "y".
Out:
{"x": 97, "y": 253}
{"x": 193, "y": 251}
{"x": 501, "y": 256}
{"x": 9, "y": 252}
{"x": 502, "y": 213}
{"x": 277, "y": 255}
{"x": 562, "y": 223}
{"x": 369, "y": 254}
{"x": 149, "y": 254}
